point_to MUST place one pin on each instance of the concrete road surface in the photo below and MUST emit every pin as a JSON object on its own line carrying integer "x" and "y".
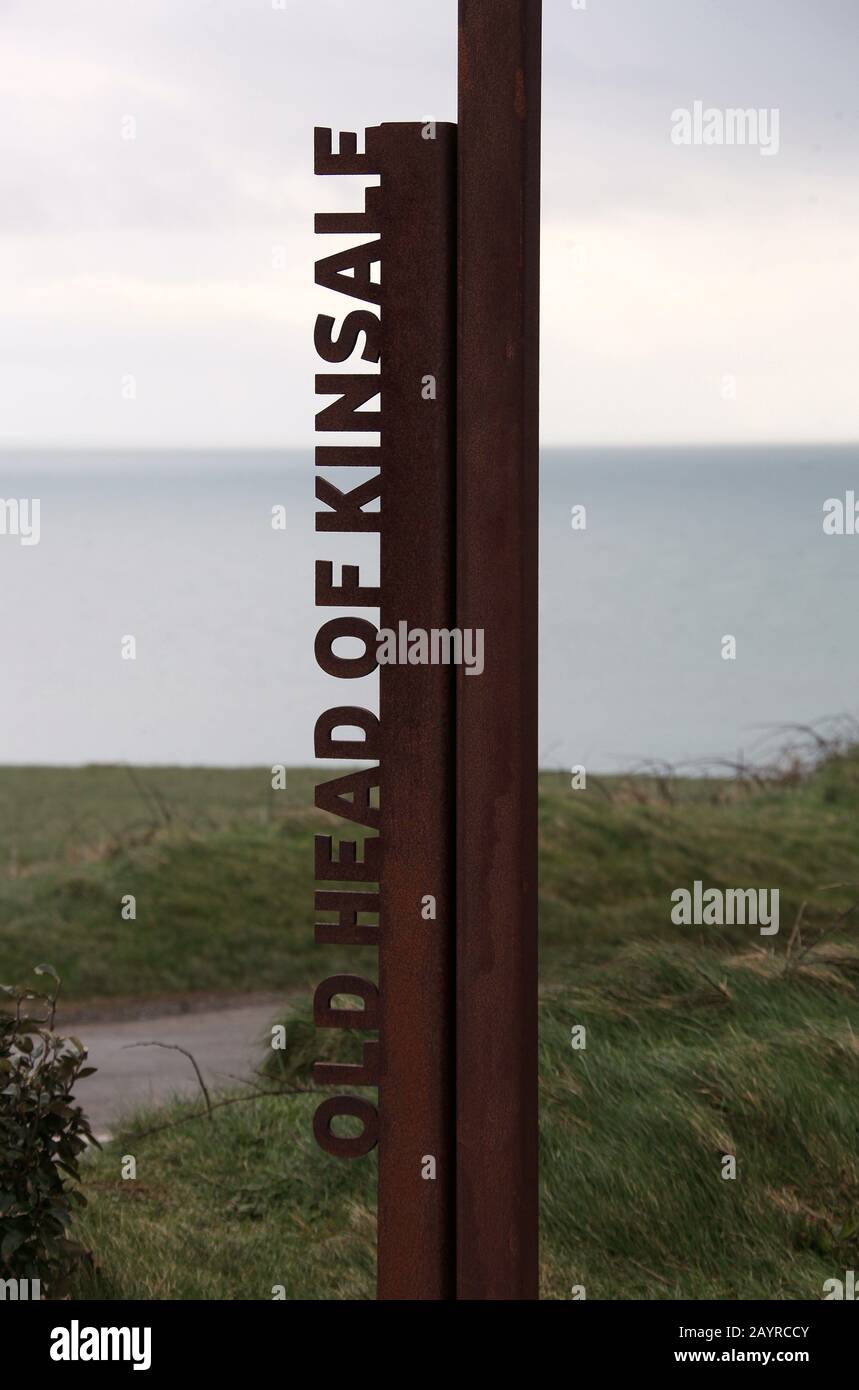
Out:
{"x": 227, "y": 1042}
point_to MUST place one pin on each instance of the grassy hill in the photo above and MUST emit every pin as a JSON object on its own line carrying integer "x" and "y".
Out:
{"x": 678, "y": 1072}
{"x": 221, "y": 869}
{"x": 701, "y": 1041}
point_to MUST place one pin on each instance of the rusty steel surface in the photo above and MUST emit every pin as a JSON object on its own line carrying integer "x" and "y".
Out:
{"x": 410, "y": 219}
{"x": 497, "y": 493}
{"x": 416, "y": 1218}
{"x": 356, "y": 855}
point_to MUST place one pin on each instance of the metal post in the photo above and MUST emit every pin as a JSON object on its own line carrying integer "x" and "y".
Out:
{"x": 418, "y": 308}
{"x": 497, "y": 491}
{"x": 411, "y": 858}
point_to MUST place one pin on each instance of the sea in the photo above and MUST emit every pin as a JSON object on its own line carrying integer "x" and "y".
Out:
{"x": 651, "y": 560}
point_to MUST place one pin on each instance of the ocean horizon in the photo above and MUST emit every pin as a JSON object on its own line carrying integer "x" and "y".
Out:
{"x": 683, "y": 547}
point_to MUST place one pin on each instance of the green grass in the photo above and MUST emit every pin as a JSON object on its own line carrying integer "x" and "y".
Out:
{"x": 700, "y": 1041}
{"x": 221, "y": 868}
{"x": 75, "y": 816}
{"x": 680, "y": 1069}
{"x": 229, "y": 1208}
{"x": 679, "y": 1072}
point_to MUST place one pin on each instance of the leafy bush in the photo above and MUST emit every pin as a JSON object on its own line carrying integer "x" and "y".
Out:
{"x": 42, "y": 1135}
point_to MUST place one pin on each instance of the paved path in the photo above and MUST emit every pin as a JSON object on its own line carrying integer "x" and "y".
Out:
{"x": 227, "y": 1042}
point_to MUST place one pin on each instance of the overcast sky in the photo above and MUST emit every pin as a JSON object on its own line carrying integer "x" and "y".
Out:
{"x": 668, "y": 272}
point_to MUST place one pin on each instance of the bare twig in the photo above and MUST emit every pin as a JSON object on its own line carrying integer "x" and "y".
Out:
{"x": 200, "y": 1114}
{"x": 151, "y": 792}
{"x": 795, "y": 936}
{"x": 720, "y": 988}
{"x": 836, "y": 925}
{"x": 651, "y": 1272}
{"x": 174, "y": 1047}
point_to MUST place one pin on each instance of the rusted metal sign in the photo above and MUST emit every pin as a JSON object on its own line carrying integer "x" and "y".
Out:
{"x": 432, "y": 340}
{"x": 411, "y": 219}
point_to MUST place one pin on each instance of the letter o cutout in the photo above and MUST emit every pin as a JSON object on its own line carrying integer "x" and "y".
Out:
{"x": 347, "y": 667}
{"x": 346, "y": 1146}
